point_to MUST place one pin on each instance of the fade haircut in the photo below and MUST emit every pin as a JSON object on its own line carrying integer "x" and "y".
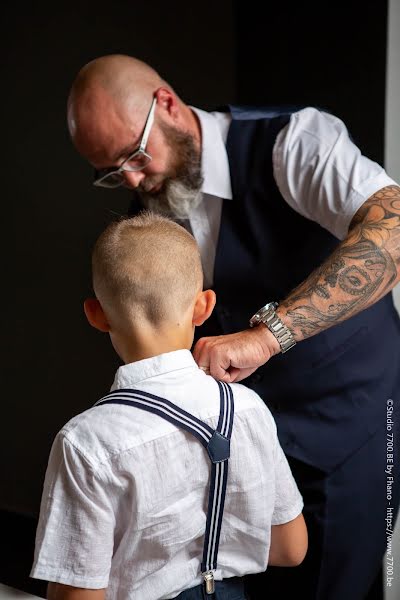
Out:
{"x": 146, "y": 268}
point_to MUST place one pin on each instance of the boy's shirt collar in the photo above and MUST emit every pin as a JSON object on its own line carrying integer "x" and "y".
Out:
{"x": 214, "y": 157}
{"x": 133, "y": 373}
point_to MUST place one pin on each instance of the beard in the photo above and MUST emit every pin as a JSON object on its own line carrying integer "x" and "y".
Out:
{"x": 181, "y": 191}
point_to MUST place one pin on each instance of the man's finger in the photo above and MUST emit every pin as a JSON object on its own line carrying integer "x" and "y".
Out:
{"x": 198, "y": 349}
{"x": 219, "y": 364}
{"x": 233, "y": 373}
{"x": 241, "y": 374}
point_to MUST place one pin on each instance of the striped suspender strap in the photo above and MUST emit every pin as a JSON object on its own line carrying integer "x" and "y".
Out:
{"x": 217, "y": 444}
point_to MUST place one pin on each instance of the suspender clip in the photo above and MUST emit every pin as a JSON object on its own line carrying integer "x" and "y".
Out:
{"x": 209, "y": 582}
{"x": 216, "y": 441}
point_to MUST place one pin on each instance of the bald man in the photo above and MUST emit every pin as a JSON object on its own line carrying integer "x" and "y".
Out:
{"x": 300, "y": 234}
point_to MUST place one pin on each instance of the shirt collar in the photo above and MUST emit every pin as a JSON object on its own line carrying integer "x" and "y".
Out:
{"x": 214, "y": 158}
{"x": 133, "y": 373}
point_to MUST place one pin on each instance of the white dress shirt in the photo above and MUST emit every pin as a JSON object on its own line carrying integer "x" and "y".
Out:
{"x": 319, "y": 171}
{"x": 125, "y": 495}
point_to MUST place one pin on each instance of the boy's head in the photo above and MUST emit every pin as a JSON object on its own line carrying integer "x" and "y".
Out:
{"x": 147, "y": 277}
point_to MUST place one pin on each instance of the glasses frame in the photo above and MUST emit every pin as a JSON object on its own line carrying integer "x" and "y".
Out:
{"x": 140, "y": 150}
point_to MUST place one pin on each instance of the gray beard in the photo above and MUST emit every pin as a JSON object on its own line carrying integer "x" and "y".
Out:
{"x": 176, "y": 201}
{"x": 181, "y": 193}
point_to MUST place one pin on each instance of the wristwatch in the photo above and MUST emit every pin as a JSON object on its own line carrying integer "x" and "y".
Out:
{"x": 268, "y": 316}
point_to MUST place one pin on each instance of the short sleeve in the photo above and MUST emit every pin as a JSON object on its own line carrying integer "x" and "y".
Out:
{"x": 75, "y": 533}
{"x": 321, "y": 173}
{"x": 288, "y": 500}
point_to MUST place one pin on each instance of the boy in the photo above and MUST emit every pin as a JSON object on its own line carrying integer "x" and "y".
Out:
{"x": 125, "y": 503}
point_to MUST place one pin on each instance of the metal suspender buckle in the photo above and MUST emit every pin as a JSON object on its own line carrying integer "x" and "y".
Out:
{"x": 209, "y": 582}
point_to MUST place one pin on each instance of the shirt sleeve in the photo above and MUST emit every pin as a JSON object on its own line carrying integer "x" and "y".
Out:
{"x": 75, "y": 533}
{"x": 321, "y": 173}
{"x": 288, "y": 502}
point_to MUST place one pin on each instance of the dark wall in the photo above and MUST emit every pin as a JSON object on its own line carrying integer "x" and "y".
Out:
{"x": 54, "y": 365}
{"x": 327, "y": 54}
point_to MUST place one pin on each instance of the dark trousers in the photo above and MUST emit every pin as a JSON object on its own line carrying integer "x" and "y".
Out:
{"x": 345, "y": 513}
{"x": 228, "y": 589}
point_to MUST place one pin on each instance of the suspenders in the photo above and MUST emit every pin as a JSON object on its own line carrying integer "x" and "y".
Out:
{"x": 217, "y": 444}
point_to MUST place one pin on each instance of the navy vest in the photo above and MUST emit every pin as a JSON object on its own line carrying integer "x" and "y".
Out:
{"x": 327, "y": 394}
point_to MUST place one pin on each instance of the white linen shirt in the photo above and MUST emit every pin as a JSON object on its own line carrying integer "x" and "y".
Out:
{"x": 319, "y": 171}
{"x": 125, "y": 494}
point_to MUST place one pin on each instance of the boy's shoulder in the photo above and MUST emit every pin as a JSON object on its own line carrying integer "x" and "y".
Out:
{"x": 102, "y": 433}
{"x": 99, "y": 433}
{"x": 249, "y": 399}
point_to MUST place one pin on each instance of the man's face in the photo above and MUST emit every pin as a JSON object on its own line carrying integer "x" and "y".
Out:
{"x": 170, "y": 183}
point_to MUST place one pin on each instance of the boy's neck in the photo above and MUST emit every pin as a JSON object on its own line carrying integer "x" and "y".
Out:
{"x": 132, "y": 348}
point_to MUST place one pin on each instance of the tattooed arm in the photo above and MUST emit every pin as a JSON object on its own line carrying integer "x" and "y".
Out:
{"x": 363, "y": 268}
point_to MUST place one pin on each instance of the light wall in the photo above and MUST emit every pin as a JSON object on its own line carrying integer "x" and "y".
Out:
{"x": 392, "y": 165}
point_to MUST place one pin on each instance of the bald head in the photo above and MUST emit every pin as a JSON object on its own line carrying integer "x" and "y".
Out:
{"x": 146, "y": 269}
{"x": 104, "y": 92}
{"x": 125, "y": 79}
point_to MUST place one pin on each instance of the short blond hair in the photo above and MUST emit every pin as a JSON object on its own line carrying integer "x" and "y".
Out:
{"x": 146, "y": 268}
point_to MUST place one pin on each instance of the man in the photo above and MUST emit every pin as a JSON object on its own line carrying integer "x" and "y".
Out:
{"x": 284, "y": 208}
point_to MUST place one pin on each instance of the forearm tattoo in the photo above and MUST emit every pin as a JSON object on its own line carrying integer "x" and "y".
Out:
{"x": 363, "y": 268}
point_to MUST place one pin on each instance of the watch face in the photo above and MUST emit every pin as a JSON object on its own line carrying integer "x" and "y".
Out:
{"x": 270, "y": 305}
{"x": 260, "y": 314}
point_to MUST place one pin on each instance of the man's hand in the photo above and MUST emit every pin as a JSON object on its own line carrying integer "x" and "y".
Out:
{"x": 235, "y": 356}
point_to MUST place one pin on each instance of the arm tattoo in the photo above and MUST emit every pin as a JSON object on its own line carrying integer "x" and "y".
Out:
{"x": 363, "y": 268}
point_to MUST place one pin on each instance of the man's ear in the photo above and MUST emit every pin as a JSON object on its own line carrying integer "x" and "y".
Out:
{"x": 203, "y": 307}
{"x": 167, "y": 101}
{"x": 95, "y": 314}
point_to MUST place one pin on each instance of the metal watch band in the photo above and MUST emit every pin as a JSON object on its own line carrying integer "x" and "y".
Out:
{"x": 268, "y": 316}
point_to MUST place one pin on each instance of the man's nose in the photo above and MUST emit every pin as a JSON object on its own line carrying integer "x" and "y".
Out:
{"x": 133, "y": 178}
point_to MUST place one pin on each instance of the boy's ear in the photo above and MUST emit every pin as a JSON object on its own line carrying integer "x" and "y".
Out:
{"x": 95, "y": 314}
{"x": 203, "y": 307}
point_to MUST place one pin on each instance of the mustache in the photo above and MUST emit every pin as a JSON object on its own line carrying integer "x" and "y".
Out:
{"x": 177, "y": 192}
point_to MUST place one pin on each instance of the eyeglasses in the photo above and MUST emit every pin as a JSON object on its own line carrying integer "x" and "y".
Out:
{"x": 138, "y": 160}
